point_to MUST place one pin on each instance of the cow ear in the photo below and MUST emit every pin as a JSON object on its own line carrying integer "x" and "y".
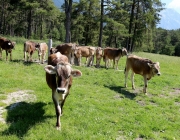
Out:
{"x": 76, "y": 73}
{"x": 50, "y": 69}
{"x": 157, "y": 63}
{"x": 150, "y": 65}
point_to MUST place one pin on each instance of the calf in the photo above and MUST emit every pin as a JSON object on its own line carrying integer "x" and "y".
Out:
{"x": 43, "y": 48}
{"x": 59, "y": 78}
{"x": 99, "y": 55}
{"x": 6, "y": 45}
{"x": 141, "y": 66}
{"x": 30, "y": 47}
{"x": 85, "y": 51}
{"x": 65, "y": 49}
{"x": 114, "y": 54}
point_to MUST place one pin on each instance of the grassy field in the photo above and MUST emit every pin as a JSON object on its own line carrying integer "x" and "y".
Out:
{"x": 98, "y": 107}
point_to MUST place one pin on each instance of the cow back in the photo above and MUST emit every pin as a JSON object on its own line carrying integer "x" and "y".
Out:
{"x": 138, "y": 65}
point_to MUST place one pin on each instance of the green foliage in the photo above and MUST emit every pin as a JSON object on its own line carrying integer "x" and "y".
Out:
{"x": 98, "y": 107}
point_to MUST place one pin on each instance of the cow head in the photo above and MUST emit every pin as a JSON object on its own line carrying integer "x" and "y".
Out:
{"x": 124, "y": 51}
{"x": 155, "y": 68}
{"x": 53, "y": 50}
{"x": 38, "y": 48}
{"x": 64, "y": 74}
{"x": 11, "y": 45}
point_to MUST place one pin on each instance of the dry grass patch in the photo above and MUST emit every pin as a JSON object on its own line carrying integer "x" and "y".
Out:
{"x": 14, "y": 99}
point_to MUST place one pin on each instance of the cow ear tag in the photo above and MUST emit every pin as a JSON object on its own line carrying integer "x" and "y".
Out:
{"x": 76, "y": 73}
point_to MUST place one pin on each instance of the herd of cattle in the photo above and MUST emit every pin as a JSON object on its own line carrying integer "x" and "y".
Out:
{"x": 59, "y": 72}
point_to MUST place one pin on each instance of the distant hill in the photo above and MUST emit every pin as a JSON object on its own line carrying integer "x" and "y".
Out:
{"x": 170, "y": 19}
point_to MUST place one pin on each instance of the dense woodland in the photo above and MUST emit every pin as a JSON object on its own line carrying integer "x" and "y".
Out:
{"x": 114, "y": 23}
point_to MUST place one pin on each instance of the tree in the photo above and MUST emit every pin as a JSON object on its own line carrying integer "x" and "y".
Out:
{"x": 68, "y": 10}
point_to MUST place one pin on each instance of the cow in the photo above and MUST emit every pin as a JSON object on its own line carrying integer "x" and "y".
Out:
{"x": 59, "y": 79}
{"x": 30, "y": 47}
{"x": 65, "y": 49}
{"x": 99, "y": 55}
{"x": 43, "y": 48}
{"x": 113, "y": 54}
{"x": 141, "y": 66}
{"x": 85, "y": 51}
{"x": 6, "y": 45}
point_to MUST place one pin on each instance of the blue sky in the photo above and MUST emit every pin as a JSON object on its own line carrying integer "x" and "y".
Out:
{"x": 174, "y": 4}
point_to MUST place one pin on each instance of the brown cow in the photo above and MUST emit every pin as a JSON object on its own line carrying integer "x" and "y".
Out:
{"x": 65, "y": 49}
{"x": 6, "y": 45}
{"x": 85, "y": 51}
{"x": 99, "y": 55}
{"x": 59, "y": 78}
{"x": 30, "y": 47}
{"x": 141, "y": 66}
{"x": 43, "y": 48}
{"x": 114, "y": 54}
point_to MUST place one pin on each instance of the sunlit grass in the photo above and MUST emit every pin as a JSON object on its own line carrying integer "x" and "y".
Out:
{"x": 98, "y": 107}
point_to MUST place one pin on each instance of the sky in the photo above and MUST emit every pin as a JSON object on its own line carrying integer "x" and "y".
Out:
{"x": 174, "y": 4}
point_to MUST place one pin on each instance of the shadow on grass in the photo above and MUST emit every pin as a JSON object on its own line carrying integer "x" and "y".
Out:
{"x": 27, "y": 63}
{"x": 122, "y": 91}
{"x": 24, "y": 116}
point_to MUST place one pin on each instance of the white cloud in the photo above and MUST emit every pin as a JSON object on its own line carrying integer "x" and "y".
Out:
{"x": 174, "y": 4}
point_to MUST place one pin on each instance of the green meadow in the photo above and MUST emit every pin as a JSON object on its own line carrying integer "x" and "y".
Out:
{"x": 98, "y": 107}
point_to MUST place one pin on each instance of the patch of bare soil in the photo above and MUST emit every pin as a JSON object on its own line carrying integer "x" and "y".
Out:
{"x": 15, "y": 98}
{"x": 176, "y": 91}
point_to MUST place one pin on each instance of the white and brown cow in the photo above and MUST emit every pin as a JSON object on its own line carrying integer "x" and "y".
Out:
{"x": 29, "y": 48}
{"x": 59, "y": 78}
{"x": 141, "y": 66}
{"x": 113, "y": 54}
{"x": 99, "y": 55}
{"x": 6, "y": 45}
{"x": 43, "y": 48}
{"x": 65, "y": 49}
{"x": 85, "y": 51}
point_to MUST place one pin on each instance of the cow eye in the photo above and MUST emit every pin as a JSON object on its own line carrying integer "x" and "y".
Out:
{"x": 68, "y": 76}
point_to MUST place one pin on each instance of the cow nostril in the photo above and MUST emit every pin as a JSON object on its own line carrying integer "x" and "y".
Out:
{"x": 60, "y": 90}
{"x": 158, "y": 74}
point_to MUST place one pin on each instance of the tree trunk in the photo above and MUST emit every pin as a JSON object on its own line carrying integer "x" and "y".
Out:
{"x": 68, "y": 9}
{"x": 29, "y": 23}
{"x": 129, "y": 40}
{"x": 101, "y": 24}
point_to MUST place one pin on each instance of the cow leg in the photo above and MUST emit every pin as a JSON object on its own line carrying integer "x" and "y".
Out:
{"x": 24, "y": 56}
{"x": 116, "y": 62}
{"x": 6, "y": 55}
{"x": 72, "y": 58}
{"x": 31, "y": 56}
{"x": 126, "y": 71}
{"x": 58, "y": 113}
{"x": 79, "y": 61}
{"x": 145, "y": 85}
{"x": 106, "y": 63}
{"x": 132, "y": 80}
{"x": 57, "y": 109}
{"x": 113, "y": 63}
{"x": 10, "y": 56}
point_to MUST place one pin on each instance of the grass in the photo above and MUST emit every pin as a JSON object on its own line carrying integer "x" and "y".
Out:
{"x": 98, "y": 107}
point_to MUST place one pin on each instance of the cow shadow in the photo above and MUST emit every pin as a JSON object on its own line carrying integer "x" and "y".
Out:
{"x": 27, "y": 63}
{"x": 121, "y": 90}
{"x": 23, "y": 116}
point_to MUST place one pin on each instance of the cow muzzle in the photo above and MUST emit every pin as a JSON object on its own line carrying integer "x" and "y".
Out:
{"x": 158, "y": 74}
{"x": 61, "y": 90}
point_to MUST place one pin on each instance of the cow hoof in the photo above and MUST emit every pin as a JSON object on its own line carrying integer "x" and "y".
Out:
{"x": 58, "y": 128}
